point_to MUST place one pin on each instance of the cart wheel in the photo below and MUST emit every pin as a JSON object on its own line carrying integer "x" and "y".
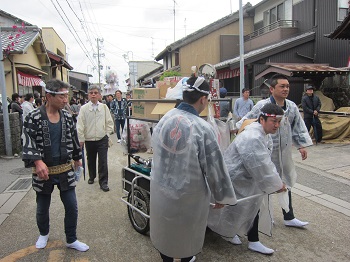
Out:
{"x": 141, "y": 202}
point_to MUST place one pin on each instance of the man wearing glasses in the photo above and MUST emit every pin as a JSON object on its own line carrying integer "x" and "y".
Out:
{"x": 50, "y": 144}
{"x": 292, "y": 131}
{"x": 94, "y": 126}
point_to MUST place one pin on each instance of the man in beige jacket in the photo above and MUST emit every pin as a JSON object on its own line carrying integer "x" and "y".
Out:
{"x": 94, "y": 126}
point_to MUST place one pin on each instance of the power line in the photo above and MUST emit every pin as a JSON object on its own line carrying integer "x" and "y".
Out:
{"x": 82, "y": 25}
{"x": 80, "y": 45}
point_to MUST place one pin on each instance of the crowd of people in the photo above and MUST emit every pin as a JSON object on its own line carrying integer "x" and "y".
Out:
{"x": 189, "y": 170}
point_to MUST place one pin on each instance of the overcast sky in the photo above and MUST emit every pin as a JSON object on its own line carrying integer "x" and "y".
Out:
{"x": 139, "y": 28}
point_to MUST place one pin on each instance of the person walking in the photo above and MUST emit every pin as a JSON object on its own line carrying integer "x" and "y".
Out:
{"x": 292, "y": 131}
{"x": 50, "y": 143}
{"x": 119, "y": 107}
{"x": 187, "y": 170}
{"x": 94, "y": 126}
{"x": 311, "y": 108}
{"x": 243, "y": 104}
{"x": 252, "y": 173}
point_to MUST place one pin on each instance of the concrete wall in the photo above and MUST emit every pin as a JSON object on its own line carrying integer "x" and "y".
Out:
{"x": 15, "y": 134}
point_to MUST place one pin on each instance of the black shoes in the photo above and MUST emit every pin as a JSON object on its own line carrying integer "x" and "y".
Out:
{"x": 105, "y": 188}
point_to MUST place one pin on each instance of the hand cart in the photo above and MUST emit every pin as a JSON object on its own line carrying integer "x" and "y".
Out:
{"x": 136, "y": 186}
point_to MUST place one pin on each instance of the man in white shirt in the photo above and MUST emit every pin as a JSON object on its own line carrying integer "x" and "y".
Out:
{"x": 27, "y": 105}
{"x": 94, "y": 126}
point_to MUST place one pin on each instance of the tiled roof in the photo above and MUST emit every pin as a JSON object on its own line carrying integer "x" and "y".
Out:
{"x": 261, "y": 51}
{"x": 342, "y": 31}
{"x": 24, "y": 40}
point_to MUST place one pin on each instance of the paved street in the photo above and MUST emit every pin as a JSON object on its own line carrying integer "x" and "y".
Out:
{"x": 322, "y": 197}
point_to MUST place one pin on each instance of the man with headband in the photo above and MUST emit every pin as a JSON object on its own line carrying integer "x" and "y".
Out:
{"x": 248, "y": 160}
{"x": 50, "y": 144}
{"x": 292, "y": 131}
{"x": 187, "y": 170}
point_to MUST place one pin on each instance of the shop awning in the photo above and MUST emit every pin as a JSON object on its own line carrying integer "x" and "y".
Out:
{"x": 59, "y": 59}
{"x": 29, "y": 69}
{"x": 29, "y": 80}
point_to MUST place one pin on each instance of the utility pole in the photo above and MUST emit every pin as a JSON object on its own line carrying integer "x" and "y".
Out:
{"x": 7, "y": 130}
{"x": 174, "y": 18}
{"x": 241, "y": 48}
{"x": 98, "y": 55}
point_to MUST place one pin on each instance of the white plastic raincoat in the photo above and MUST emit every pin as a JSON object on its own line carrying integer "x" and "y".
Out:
{"x": 187, "y": 168}
{"x": 248, "y": 160}
{"x": 292, "y": 131}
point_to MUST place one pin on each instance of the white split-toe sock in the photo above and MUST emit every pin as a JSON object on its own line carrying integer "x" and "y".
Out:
{"x": 235, "y": 240}
{"x": 295, "y": 223}
{"x": 80, "y": 246}
{"x": 42, "y": 241}
{"x": 260, "y": 248}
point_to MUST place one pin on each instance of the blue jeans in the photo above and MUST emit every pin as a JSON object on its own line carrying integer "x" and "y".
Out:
{"x": 69, "y": 201}
{"x": 119, "y": 123}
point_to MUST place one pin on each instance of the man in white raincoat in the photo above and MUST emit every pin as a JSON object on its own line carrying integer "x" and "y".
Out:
{"x": 187, "y": 169}
{"x": 248, "y": 160}
{"x": 292, "y": 131}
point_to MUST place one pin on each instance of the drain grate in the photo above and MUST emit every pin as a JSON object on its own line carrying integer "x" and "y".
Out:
{"x": 21, "y": 184}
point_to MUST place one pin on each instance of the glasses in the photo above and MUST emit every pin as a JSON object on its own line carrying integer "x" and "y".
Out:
{"x": 93, "y": 93}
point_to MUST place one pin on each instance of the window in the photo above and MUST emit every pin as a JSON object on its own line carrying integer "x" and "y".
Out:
{"x": 280, "y": 12}
{"x": 274, "y": 14}
{"x": 343, "y": 9}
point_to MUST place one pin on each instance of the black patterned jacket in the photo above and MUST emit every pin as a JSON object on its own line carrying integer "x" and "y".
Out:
{"x": 37, "y": 145}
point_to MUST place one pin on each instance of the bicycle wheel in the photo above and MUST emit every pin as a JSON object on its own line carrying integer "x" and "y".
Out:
{"x": 141, "y": 202}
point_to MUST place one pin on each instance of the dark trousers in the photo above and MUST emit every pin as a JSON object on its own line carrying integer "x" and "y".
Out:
{"x": 253, "y": 233}
{"x": 100, "y": 148}
{"x": 170, "y": 259}
{"x": 119, "y": 123}
{"x": 69, "y": 201}
{"x": 290, "y": 214}
{"x": 317, "y": 126}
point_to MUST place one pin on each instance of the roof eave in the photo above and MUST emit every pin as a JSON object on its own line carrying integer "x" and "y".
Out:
{"x": 263, "y": 54}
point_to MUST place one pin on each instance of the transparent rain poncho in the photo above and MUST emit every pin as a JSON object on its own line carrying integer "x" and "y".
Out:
{"x": 292, "y": 131}
{"x": 187, "y": 169}
{"x": 248, "y": 160}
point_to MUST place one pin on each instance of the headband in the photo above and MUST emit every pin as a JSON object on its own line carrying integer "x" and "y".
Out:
{"x": 271, "y": 115}
{"x": 56, "y": 93}
{"x": 195, "y": 86}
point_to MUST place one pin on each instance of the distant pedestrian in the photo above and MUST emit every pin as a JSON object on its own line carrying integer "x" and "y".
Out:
{"x": 50, "y": 143}
{"x": 311, "y": 108}
{"x": 15, "y": 105}
{"x": 27, "y": 105}
{"x": 94, "y": 126}
{"x": 119, "y": 107}
{"x": 224, "y": 105}
{"x": 38, "y": 102}
{"x": 243, "y": 104}
{"x": 109, "y": 99}
{"x": 128, "y": 100}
